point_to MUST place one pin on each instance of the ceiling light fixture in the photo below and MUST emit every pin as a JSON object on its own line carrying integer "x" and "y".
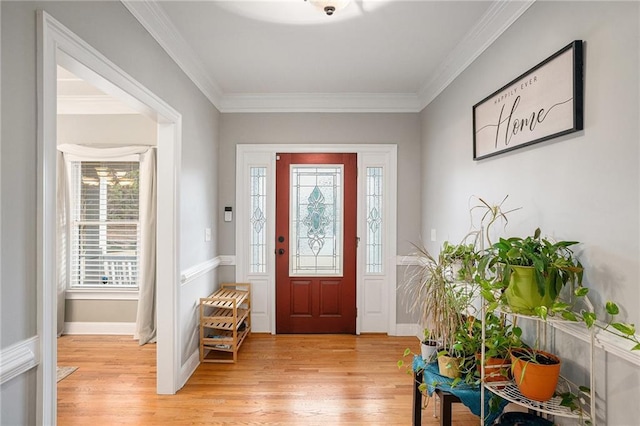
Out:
{"x": 329, "y": 6}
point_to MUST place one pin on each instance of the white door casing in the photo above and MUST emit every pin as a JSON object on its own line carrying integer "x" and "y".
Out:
{"x": 375, "y": 292}
{"x": 57, "y": 44}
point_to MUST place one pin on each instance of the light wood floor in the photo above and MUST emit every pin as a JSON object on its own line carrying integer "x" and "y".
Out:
{"x": 279, "y": 380}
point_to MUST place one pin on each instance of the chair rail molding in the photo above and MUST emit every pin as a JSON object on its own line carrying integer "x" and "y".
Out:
{"x": 195, "y": 271}
{"x": 19, "y": 358}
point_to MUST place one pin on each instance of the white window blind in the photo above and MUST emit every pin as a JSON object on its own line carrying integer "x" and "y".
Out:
{"x": 105, "y": 231}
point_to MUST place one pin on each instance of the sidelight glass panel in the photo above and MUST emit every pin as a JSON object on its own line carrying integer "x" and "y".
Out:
{"x": 316, "y": 222}
{"x": 374, "y": 220}
{"x": 257, "y": 237}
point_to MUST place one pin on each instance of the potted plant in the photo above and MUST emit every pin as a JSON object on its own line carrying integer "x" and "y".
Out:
{"x": 457, "y": 361}
{"x": 500, "y": 338}
{"x": 434, "y": 295}
{"x": 462, "y": 259}
{"x": 535, "y": 372}
{"x": 428, "y": 347}
{"x": 532, "y": 271}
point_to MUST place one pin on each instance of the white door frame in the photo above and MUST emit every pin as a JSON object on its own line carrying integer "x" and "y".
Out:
{"x": 375, "y": 292}
{"x": 55, "y": 42}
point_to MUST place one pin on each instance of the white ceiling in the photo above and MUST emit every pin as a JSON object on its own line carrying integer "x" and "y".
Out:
{"x": 286, "y": 55}
{"x": 393, "y": 48}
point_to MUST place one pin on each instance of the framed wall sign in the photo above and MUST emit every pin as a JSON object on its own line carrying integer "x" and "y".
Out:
{"x": 543, "y": 103}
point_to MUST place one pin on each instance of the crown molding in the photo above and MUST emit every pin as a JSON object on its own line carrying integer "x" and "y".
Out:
{"x": 320, "y": 102}
{"x": 154, "y": 19}
{"x": 493, "y": 23}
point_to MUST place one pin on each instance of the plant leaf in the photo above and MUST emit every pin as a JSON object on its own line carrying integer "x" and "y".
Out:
{"x": 541, "y": 311}
{"x": 568, "y": 315}
{"x": 559, "y": 307}
{"x": 612, "y": 308}
{"x": 581, "y": 291}
{"x": 406, "y": 352}
{"x": 636, "y": 347}
{"x": 628, "y": 329}
{"x": 589, "y": 318}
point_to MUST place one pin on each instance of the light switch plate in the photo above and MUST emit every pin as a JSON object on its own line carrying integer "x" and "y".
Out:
{"x": 207, "y": 234}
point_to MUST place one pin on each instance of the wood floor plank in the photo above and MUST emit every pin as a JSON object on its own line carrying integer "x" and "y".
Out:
{"x": 278, "y": 380}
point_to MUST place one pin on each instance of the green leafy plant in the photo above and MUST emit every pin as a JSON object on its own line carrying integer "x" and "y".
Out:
{"x": 436, "y": 297}
{"x": 500, "y": 336}
{"x": 553, "y": 262}
{"x": 462, "y": 258}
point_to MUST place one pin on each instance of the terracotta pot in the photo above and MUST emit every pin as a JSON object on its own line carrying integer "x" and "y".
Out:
{"x": 536, "y": 381}
{"x": 449, "y": 366}
{"x": 495, "y": 369}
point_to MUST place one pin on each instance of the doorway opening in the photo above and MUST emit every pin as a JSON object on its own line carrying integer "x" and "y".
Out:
{"x": 58, "y": 45}
{"x": 376, "y": 224}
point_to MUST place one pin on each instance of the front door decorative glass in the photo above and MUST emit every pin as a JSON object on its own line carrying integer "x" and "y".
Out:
{"x": 316, "y": 220}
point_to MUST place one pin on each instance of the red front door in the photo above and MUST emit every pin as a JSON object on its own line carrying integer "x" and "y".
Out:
{"x": 316, "y": 243}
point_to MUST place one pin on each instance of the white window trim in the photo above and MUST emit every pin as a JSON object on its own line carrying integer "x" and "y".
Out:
{"x": 369, "y": 155}
{"x": 70, "y": 159}
{"x": 101, "y": 294}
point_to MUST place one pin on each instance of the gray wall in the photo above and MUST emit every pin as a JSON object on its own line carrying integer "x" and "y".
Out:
{"x": 305, "y": 128}
{"x": 113, "y": 31}
{"x": 584, "y": 186}
{"x": 121, "y": 129}
{"x": 100, "y": 310}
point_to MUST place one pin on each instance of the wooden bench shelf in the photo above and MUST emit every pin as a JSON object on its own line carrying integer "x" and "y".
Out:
{"x": 225, "y": 321}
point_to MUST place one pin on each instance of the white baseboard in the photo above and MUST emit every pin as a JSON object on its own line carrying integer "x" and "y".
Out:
{"x": 189, "y": 367}
{"x": 19, "y": 358}
{"x": 117, "y": 328}
{"x": 409, "y": 330}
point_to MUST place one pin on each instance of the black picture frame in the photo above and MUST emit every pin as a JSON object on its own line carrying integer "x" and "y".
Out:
{"x": 545, "y": 102}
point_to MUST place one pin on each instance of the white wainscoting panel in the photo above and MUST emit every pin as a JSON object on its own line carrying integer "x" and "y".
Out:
{"x": 375, "y": 306}
{"x": 260, "y": 314}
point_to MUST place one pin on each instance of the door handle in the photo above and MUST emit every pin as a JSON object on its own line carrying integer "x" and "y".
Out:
{"x": 281, "y": 251}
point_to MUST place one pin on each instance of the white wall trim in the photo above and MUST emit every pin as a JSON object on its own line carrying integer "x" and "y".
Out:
{"x": 493, "y": 23}
{"x": 227, "y": 260}
{"x": 320, "y": 102}
{"x": 408, "y": 260}
{"x": 189, "y": 367}
{"x": 85, "y": 294}
{"x": 198, "y": 270}
{"x": 114, "y": 328}
{"x": 19, "y": 358}
{"x": 409, "y": 330}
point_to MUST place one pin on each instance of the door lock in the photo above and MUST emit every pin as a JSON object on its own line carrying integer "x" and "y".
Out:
{"x": 281, "y": 251}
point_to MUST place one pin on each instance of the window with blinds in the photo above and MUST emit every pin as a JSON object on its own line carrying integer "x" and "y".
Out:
{"x": 105, "y": 231}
